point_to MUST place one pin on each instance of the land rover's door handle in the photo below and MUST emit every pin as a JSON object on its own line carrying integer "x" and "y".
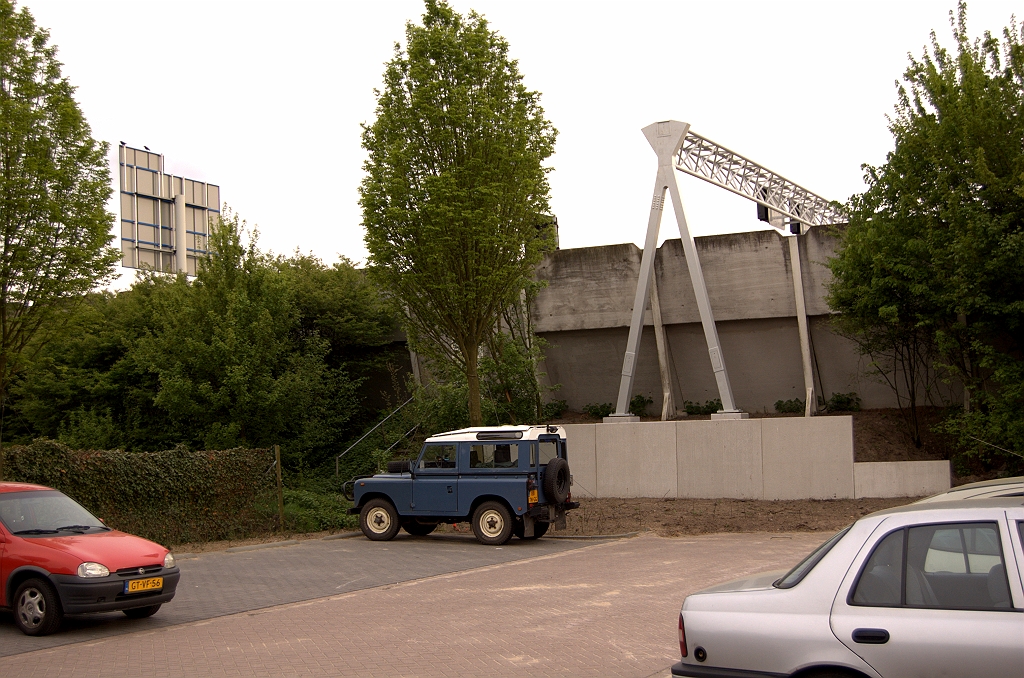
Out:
{"x": 449, "y": 489}
{"x": 871, "y": 636}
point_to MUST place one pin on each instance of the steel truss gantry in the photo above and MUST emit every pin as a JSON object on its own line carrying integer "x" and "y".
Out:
{"x": 679, "y": 149}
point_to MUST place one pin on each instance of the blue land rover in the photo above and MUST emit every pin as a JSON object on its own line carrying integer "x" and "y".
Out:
{"x": 504, "y": 480}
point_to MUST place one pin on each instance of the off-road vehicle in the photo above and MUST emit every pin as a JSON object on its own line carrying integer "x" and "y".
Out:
{"x": 504, "y": 480}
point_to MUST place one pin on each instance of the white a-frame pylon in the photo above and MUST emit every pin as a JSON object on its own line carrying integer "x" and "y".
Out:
{"x": 680, "y": 149}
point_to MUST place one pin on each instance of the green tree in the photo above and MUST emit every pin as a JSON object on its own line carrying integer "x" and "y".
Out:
{"x": 255, "y": 350}
{"x": 54, "y": 185}
{"x": 454, "y": 183}
{"x": 932, "y": 263}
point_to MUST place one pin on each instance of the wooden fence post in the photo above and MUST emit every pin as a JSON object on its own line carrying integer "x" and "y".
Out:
{"x": 280, "y": 488}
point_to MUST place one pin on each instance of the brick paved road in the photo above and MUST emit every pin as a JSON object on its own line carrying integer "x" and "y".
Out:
{"x": 220, "y": 583}
{"x": 603, "y": 609}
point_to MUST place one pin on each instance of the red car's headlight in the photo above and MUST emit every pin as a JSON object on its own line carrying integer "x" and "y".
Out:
{"x": 91, "y": 570}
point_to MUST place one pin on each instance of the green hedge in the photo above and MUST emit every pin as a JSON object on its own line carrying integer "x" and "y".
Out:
{"x": 170, "y": 497}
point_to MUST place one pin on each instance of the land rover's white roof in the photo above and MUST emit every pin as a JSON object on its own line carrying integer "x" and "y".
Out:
{"x": 513, "y": 433}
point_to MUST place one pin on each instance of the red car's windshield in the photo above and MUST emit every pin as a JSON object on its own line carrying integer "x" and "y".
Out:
{"x": 42, "y": 512}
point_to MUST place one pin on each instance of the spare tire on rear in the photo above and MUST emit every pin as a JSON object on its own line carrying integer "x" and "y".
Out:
{"x": 400, "y": 466}
{"x": 556, "y": 481}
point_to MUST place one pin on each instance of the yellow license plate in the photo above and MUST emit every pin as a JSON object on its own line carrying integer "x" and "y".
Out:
{"x": 533, "y": 496}
{"x": 143, "y": 585}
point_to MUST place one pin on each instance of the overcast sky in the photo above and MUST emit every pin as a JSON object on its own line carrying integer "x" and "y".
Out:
{"x": 266, "y": 98}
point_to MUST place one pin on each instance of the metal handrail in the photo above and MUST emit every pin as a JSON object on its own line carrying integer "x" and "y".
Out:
{"x": 379, "y": 424}
{"x": 406, "y": 436}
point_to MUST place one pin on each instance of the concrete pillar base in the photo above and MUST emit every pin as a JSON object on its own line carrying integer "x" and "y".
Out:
{"x": 730, "y": 415}
{"x": 621, "y": 419}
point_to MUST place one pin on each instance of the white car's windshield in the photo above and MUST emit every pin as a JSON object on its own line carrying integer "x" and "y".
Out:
{"x": 42, "y": 512}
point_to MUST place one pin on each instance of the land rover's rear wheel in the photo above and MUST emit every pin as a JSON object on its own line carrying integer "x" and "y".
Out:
{"x": 419, "y": 529}
{"x": 539, "y": 528}
{"x": 379, "y": 520}
{"x": 492, "y": 523}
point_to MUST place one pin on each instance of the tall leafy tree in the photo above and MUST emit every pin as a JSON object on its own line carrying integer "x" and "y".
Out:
{"x": 54, "y": 185}
{"x": 255, "y": 350}
{"x": 933, "y": 259}
{"x": 454, "y": 185}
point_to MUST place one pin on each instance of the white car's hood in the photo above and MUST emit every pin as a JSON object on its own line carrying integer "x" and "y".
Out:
{"x": 763, "y": 580}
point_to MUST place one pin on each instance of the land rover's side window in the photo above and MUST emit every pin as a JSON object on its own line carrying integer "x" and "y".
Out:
{"x": 437, "y": 456}
{"x": 548, "y": 451}
{"x": 494, "y": 455}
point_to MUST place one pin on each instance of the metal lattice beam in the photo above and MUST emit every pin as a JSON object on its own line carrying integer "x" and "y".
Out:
{"x": 718, "y": 165}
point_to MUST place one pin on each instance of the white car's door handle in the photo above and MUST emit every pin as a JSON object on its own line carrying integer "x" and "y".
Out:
{"x": 871, "y": 636}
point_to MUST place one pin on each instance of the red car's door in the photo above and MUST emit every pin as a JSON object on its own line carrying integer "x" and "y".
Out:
{"x": 3, "y": 566}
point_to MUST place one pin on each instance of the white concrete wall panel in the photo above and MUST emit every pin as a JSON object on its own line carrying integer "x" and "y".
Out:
{"x": 582, "y": 452}
{"x": 636, "y": 459}
{"x": 587, "y": 303}
{"x": 901, "y": 478}
{"x": 807, "y": 458}
{"x": 719, "y": 459}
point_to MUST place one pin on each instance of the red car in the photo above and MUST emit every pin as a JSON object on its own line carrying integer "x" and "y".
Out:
{"x": 56, "y": 558}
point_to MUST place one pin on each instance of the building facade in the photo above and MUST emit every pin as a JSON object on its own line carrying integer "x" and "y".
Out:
{"x": 165, "y": 219}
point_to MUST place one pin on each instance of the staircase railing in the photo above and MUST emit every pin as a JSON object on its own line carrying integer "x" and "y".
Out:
{"x": 365, "y": 435}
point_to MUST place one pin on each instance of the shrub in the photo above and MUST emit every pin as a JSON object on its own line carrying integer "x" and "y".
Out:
{"x": 598, "y": 411}
{"x": 709, "y": 406}
{"x": 843, "y": 402}
{"x": 309, "y": 511}
{"x": 789, "y": 406}
{"x": 638, "y": 405}
{"x": 171, "y": 497}
{"x": 555, "y": 409}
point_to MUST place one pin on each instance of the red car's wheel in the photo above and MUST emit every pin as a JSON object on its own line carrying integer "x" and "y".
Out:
{"x": 37, "y": 610}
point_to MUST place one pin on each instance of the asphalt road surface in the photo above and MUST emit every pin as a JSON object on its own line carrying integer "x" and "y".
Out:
{"x": 221, "y": 583}
{"x": 435, "y": 606}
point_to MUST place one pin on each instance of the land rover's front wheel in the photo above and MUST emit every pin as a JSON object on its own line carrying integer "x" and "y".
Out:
{"x": 378, "y": 520}
{"x": 492, "y": 523}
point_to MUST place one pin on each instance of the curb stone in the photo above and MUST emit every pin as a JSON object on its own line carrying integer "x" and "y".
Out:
{"x": 257, "y": 547}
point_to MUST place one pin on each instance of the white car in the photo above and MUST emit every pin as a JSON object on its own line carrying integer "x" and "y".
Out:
{"x": 1001, "y": 487}
{"x": 925, "y": 590}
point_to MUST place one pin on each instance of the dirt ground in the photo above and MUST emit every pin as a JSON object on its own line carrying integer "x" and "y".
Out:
{"x": 675, "y": 517}
{"x": 664, "y": 517}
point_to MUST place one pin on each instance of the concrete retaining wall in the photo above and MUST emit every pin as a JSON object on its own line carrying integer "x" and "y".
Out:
{"x": 900, "y": 478}
{"x": 583, "y": 313}
{"x": 778, "y": 458}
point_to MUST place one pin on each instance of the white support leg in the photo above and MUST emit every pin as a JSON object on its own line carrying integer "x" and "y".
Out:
{"x": 668, "y": 396}
{"x": 665, "y": 138}
{"x": 810, "y": 406}
{"x": 707, "y": 318}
